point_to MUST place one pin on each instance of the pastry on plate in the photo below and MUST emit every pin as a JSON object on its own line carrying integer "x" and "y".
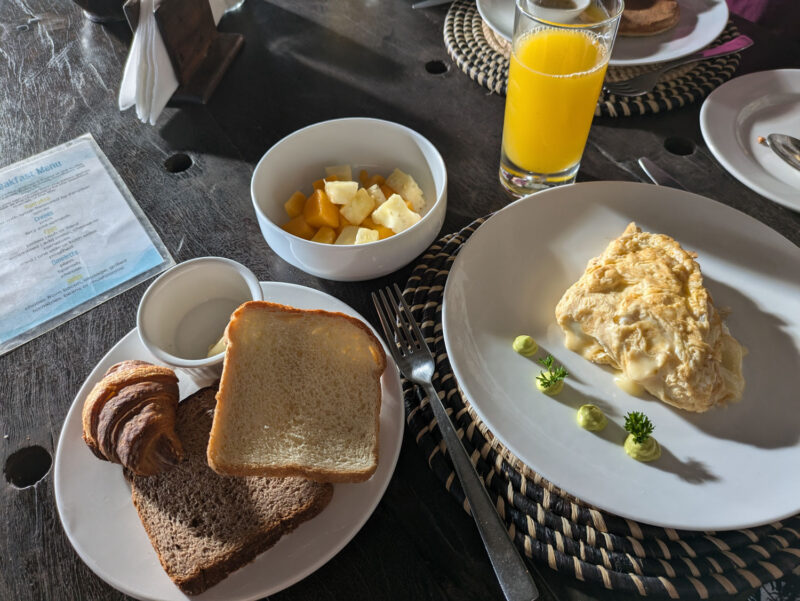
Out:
{"x": 129, "y": 417}
{"x": 641, "y": 308}
{"x": 648, "y": 17}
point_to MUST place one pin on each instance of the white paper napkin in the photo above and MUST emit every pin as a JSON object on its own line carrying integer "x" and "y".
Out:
{"x": 149, "y": 79}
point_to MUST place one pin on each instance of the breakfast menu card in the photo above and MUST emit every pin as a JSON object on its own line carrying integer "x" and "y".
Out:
{"x": 71, "y": 237}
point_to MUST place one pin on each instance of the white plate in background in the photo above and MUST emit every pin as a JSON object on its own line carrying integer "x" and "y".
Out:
{"x": 740, "y": 110}
{"x": 731, "y": 467}
{"x": 700, "y": 24}
{"x": 95, "y": 507}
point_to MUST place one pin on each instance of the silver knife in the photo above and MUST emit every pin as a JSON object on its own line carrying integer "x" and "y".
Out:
{"x": 658, "y": 175}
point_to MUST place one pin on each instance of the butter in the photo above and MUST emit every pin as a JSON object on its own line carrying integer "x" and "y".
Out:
{"x": 218, "y": 347}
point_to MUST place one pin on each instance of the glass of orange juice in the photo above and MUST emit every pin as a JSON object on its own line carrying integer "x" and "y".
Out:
{"x": 559, "y": 54}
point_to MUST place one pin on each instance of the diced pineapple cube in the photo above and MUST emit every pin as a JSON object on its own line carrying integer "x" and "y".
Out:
{"x": 294, "y": 206}
{"x": 325, "y": 235}
{"x": 377, "y": 194}
{"x": 320, "y": 183}
{"x": 341, "y": 193}
{"x": 359, "y": 207}
{"x": 395, "y": 215}
{"x": 364, "y": 235}
{"x": 341, "y": 172}
{"x": 348, "y": 235}
{"x": 405, "y": 186}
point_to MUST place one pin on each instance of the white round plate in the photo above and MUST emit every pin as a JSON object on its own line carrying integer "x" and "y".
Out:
{"x": 730, "y": 467}
{"x": 737, "y": 112}
{"x": 94, "y": 501}
{"x": 700, "y": 24}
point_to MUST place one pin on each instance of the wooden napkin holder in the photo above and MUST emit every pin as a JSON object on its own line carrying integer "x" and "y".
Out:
{"x": 199, "y": 53}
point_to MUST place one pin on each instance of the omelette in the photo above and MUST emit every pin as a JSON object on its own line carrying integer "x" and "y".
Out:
{"x": 641, "y": 308}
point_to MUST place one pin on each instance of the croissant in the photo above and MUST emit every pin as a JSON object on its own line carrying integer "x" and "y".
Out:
{"x": 129, "y": 417}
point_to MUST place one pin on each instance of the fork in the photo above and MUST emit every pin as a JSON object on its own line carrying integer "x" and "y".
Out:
{"x": 644, "y": 83}
{"x": 412, "y": 355}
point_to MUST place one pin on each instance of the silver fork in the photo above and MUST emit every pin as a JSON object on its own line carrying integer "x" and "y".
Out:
{"x": 414, "y": 358}
{"x": 642, "y": 84}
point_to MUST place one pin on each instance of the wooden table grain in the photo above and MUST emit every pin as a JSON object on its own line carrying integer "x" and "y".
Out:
{"x": 302, "y": 62}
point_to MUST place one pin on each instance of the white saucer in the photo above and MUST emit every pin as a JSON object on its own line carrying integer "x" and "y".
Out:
{"x": 94, "y": 500}
{"x": 737, "y": 112}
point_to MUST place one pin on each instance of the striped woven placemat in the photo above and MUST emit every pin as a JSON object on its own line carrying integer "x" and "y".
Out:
{"x": 552, "y": 527}
{"x": 483, "y": 55}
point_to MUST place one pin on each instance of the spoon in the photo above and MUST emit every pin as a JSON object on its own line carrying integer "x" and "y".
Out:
{"x": 786, "y": 147}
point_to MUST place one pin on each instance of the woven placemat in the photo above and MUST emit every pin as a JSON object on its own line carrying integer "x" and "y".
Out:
{"x": 552, "y": 527}
{"x": 483, "y": 55}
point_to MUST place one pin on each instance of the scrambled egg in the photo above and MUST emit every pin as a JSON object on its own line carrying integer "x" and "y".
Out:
{"x": 641, "y": 307}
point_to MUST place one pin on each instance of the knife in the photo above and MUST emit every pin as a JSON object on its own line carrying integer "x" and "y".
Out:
{"x": 658, "y": 175}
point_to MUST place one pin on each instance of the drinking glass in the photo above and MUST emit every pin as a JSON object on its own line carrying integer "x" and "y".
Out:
{"x": 560, "y": 51}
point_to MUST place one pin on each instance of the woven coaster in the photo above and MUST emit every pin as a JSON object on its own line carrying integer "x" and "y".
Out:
{"x": 483, "y": 55}
{"x": 552, "y": 527}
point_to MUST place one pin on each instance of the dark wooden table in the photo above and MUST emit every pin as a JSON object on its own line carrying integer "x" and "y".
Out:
{"x": 302, "y": 62}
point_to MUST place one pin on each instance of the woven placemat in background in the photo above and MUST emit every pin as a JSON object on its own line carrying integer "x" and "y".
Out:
{"x": 554, "y": 528}
{"x": 483, "y": 55}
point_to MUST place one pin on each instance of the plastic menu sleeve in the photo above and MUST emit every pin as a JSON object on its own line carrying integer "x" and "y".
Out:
{"x": 71, "y": 237}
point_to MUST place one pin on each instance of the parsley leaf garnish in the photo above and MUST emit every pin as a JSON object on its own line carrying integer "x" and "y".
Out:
{"x": 553, "y": 375}
{"x": 639, "y": 426}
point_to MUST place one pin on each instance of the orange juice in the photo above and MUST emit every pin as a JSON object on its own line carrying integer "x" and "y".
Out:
{"x": 554, "y": 81}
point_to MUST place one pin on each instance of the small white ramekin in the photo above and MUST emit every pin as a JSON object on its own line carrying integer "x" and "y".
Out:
{"x": 185, "y": 310}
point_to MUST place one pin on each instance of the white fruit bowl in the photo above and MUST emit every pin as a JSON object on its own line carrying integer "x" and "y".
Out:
{"x": 372, "y": 144}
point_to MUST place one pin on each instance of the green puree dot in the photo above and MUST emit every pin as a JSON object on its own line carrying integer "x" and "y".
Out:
{"x": 525, "y": 345}
{"x": 550, "y": 390}
{"x": 591, "y": 418}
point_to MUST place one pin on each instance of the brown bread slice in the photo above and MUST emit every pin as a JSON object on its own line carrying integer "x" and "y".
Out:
{"x": 204, "y": 526}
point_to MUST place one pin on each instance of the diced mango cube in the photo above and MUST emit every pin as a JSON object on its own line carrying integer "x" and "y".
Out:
{"x": 348, "y": 235}
{"x": 364, "y": 235}
{"x": 294, "y": 206}
{"x": 343, "y": 223}
{"x": 320, "y": 183}
{"x": 383, "y": 231}
{"x": 325, "y": 234}
{"x": 405, "y": 186}
{"x": 340, "y": 172}
{"x": 319, "y": 210}
{"x": 341, "y": 193}
{"x": 363, "y": 177}
{"x": 395, "y": 215}
{"x": 386, "y": 189}
{"x": 375, "y": 179}
{"x": 359, "y": 207}
{"x": 299, "y": 227}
